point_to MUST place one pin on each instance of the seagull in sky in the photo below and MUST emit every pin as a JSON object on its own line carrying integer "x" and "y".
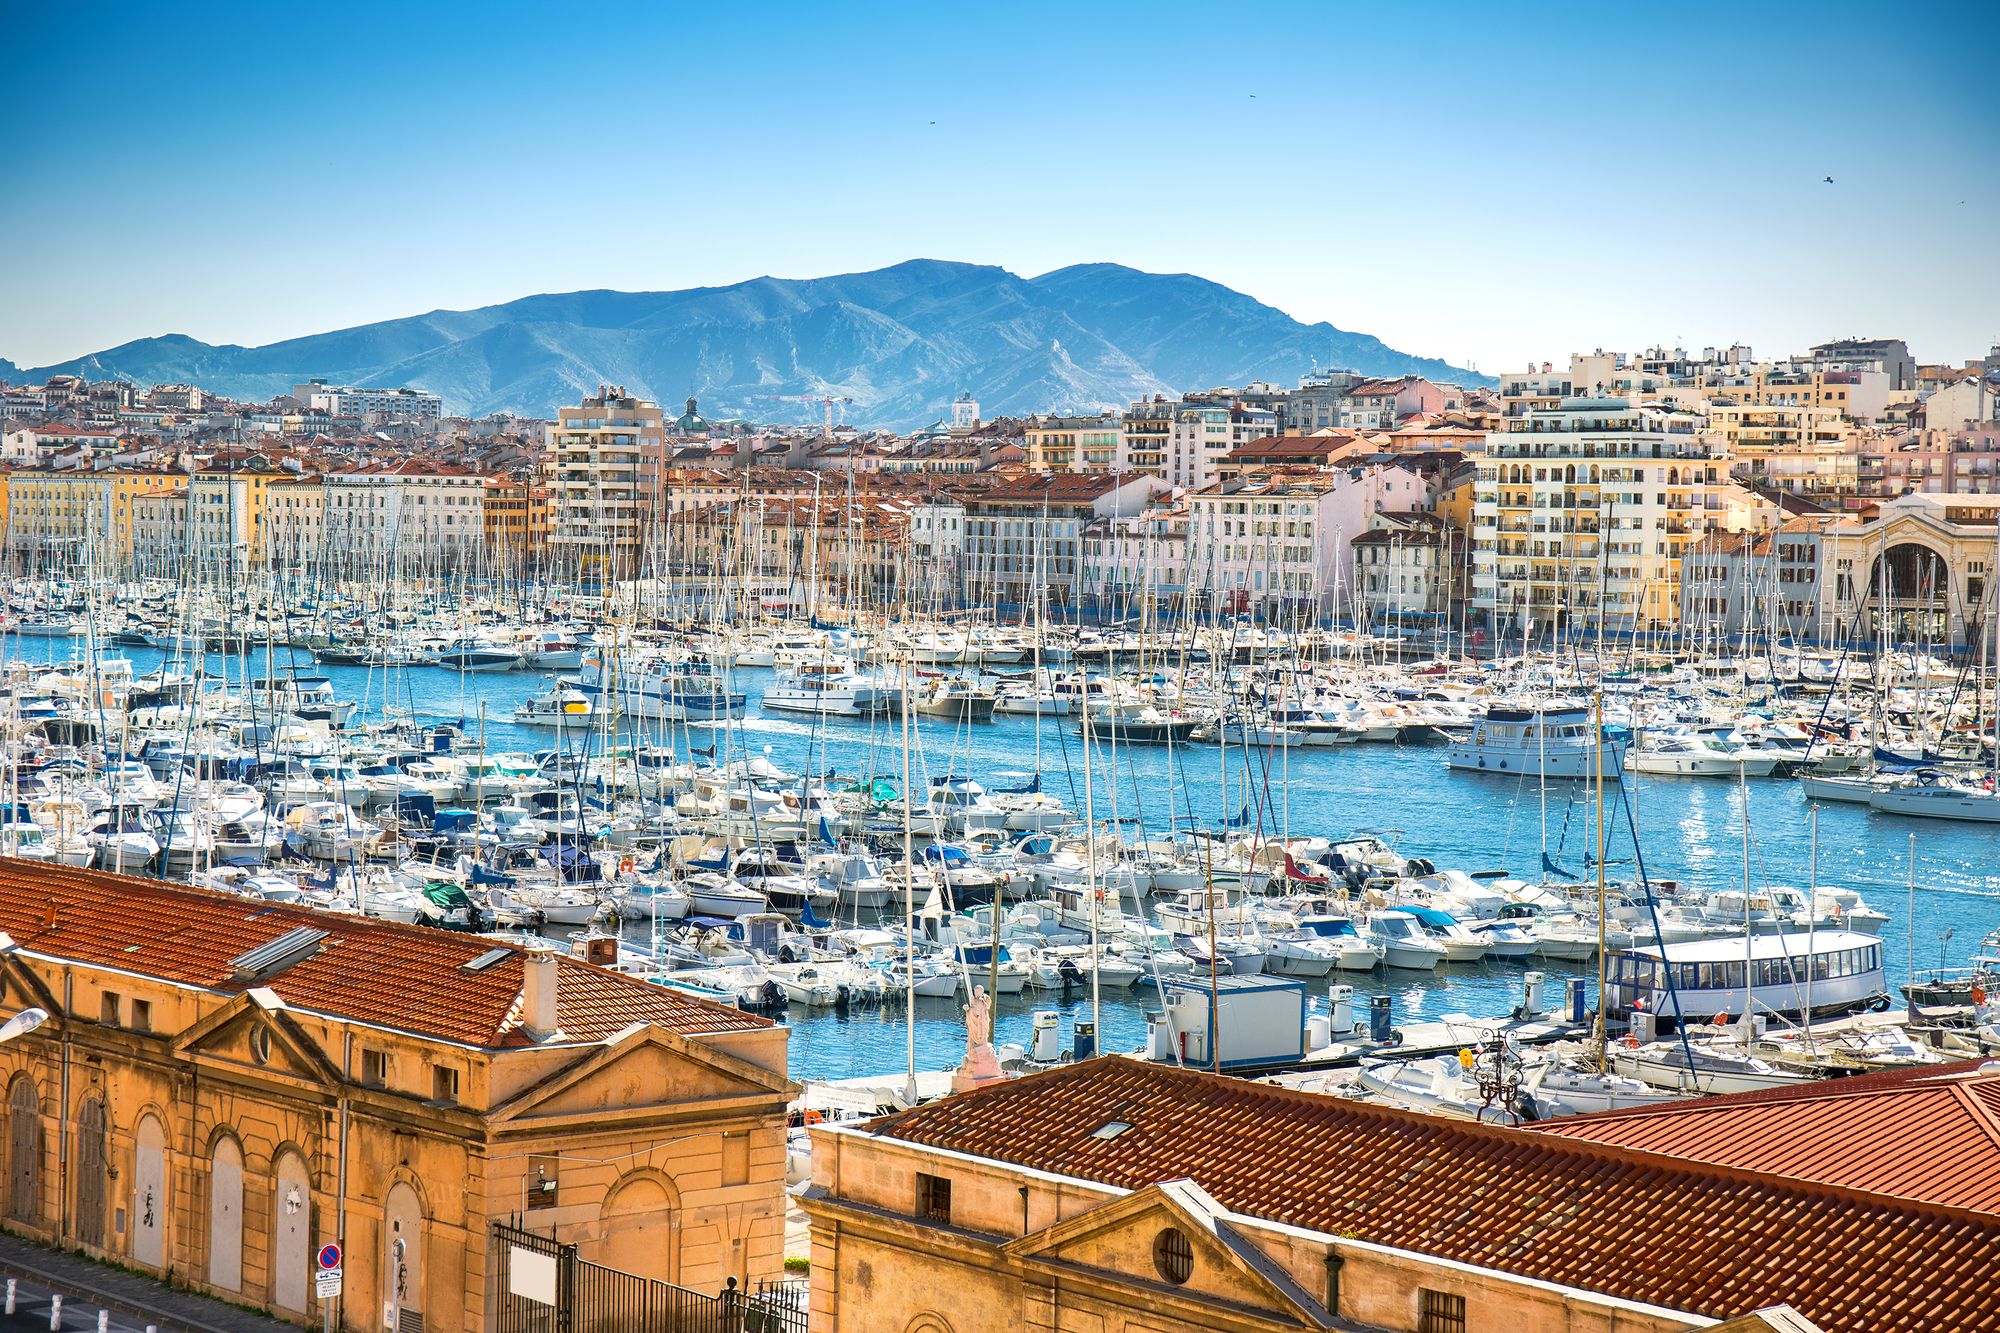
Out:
{"x": 1829, "y": 180}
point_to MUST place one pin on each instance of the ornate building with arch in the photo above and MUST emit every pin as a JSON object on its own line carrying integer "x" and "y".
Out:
{"x": 1920, "y": 572}
{"x": 224, "y": 1085}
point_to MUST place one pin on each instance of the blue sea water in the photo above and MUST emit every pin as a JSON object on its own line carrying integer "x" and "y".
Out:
{"x": 1689, "y": 830}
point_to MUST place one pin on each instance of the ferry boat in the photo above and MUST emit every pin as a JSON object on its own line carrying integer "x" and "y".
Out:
{"x": 1543, "y": 742}
{"x": 1835, "y": 971}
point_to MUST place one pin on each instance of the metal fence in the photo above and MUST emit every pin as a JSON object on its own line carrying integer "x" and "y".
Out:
{"x": 542, "y": 1286}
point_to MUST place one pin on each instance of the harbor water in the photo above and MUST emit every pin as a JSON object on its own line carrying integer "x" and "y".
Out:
{"x": 1689, "y": 830}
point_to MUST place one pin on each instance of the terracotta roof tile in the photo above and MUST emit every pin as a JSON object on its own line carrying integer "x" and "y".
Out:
{"x": 1924, "y": 1133}
{"x": 1614, "y": 1220}
{"x": 378, "y": 972}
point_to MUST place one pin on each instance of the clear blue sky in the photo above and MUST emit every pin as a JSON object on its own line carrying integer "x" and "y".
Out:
{"x": 1486, "y": 182}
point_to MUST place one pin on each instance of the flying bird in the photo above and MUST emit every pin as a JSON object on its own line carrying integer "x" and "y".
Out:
{"x": 1829, "y": 180}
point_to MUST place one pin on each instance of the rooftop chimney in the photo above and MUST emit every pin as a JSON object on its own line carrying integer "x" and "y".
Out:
{"x": 538, "y": 995}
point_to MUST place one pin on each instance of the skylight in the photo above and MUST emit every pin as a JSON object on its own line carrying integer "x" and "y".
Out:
{"x": 1110, "y": 1129}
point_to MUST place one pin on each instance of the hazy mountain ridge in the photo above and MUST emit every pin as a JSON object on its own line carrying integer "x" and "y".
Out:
{"x": 901, "y": 341}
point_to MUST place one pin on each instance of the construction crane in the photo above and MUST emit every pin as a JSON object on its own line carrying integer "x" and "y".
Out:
{"x": 827, "y": 402}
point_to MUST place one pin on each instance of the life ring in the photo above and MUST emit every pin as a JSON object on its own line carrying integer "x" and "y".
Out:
{"x": 814, "y": 1117}
{"x": 1722, "y": 1020}
{"x": 1979, "y": 995}
{"x": 625, "y": 866}
{"x": 1631, "y": 1041}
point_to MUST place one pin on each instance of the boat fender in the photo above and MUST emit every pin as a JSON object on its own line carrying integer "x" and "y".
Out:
{"x": 1879, "y": 1004}
{"x": 1395, "y": 1036}
{"x": 625, "y": 866}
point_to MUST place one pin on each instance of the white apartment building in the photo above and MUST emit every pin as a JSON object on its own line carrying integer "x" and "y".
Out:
{"x": 407, "y": 515}
{"x": 1582, "y": 511}
{"x": 1135, "y": 560}
{"x": 1283, "y": 541}
{"x": 341, "y": 400}
{"x": 937, "y": 547}
{"x": 1203, "y": 432}
{"x": 222, "y": 531}
{"x": 607, "y": 454}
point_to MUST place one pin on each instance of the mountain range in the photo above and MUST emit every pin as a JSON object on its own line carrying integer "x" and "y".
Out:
{"x": 900, "y": 342}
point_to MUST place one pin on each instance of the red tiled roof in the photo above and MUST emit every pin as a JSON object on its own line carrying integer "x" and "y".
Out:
{"x": 1614, "y": 1220}
{"x": 379, "y": 972}
{"x": 1923, "y": 1133}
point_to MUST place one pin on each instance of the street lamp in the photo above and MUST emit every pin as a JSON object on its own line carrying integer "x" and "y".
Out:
{"x": 23, "y": 1023}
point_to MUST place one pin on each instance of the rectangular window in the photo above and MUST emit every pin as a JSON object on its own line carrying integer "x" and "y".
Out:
{"x": 142, "y": 1015}
{"x": 735, "y": 1159}
{"x": 933, "y": 1198}
{"x": 444, "y": 1085}
{"x": 1440, "y": 1312}
{"x": 109, "y": 1013}
{"x": 375, "y": 1068}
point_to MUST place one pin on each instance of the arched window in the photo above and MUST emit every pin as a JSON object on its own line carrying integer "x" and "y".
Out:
{"x": 149, "y": 1192}
{"x": 637, "y": 1232}
{"x": 225, "y": 1215}
{"x": 90, "y": 1172}
{"x": 24, "y": 1151}
{"x": 291, "y": 1231}
{"x": 403, "y": 1255}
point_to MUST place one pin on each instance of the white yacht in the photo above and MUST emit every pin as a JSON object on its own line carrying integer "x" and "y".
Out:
{"x": 1930, "y": 794}
{"x": 1539, "y": 742}
{"x": 832, "y": 690}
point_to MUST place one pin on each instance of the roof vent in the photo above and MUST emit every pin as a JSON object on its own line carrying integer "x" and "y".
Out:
{"x": 294, "y": 946}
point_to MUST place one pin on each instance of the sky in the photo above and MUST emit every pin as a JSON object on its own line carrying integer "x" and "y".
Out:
{"x": 1494, "y": 184}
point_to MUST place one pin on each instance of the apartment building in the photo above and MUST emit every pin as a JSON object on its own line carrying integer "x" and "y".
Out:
{"x": 1024, "y": 537}
{"x": 1281, "y": 542}
{"x": 50, "y": 514}
{"x": 1409, "y": 565}
{"x": 1074, "y": 444}
{"x": 413, "y": 514}
{"x": 607, "y": 455}
{"x": 1137, "y": 563}
{"x": 1147, "y": 436}
{"x": 294, "y": 522}
{"x": 1768, "y": 582}
{"x": 1582, "y": 512}
{"x": 1201, "y": 433}
{"x": 1376, "y": 405}
{"x": 342, "y": 400}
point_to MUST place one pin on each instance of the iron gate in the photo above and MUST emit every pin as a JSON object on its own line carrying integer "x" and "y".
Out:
{"x": 542, "y": 1286}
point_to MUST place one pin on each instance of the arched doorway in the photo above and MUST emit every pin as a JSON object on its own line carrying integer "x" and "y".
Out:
{"x": 1909, "y": 586}
{"x": 90, "y": 1173}
{"x": 636, "y": 1231}
{"x": 403, "y": 1257}
{"x": 291, "y": 1232}
{"x": 149, "y": 1192}
{"x": 24, "y": 1151}
{"x": 225, "y": 1215}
